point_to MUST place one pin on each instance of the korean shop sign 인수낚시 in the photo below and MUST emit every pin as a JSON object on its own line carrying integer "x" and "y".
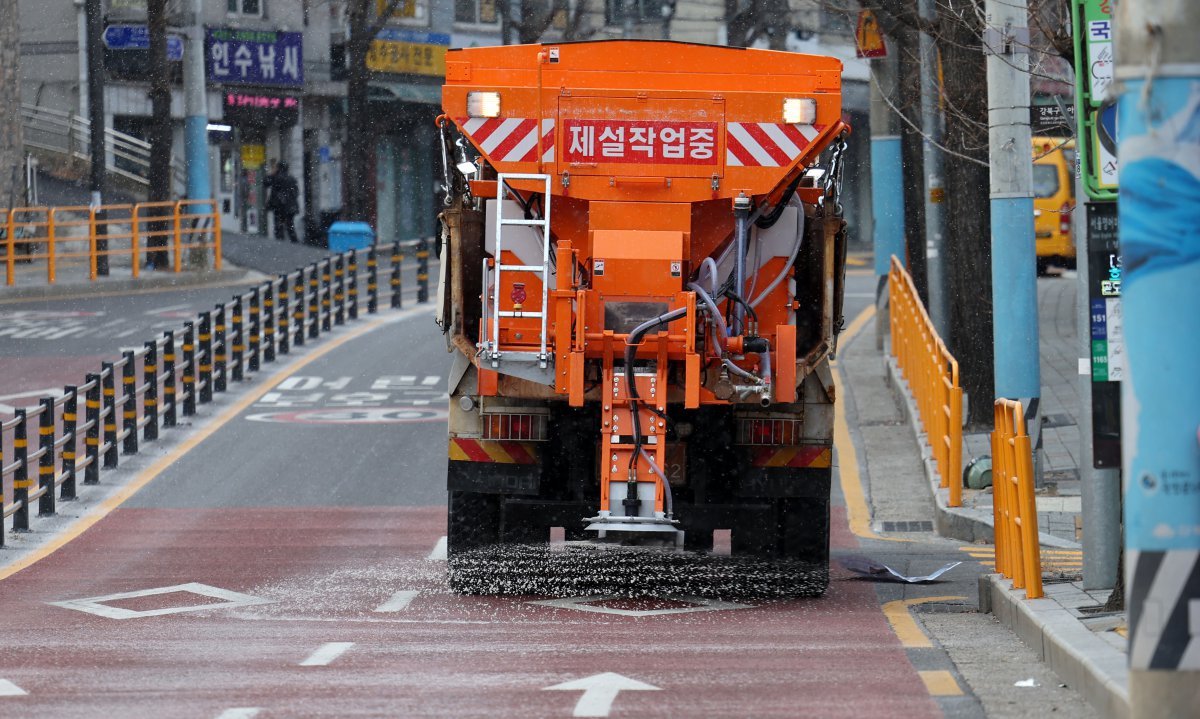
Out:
{"x": 254, "y": 57}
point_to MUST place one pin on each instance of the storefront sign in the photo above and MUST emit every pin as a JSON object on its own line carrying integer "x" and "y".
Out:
{"x": 254, "y": 156}
{"x": 254, "y": 57}
{"x": 408, "y": 51}
{"x": 261, "y": 107}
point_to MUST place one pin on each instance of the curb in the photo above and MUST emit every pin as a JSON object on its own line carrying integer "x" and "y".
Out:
{"x": 970, "y": 525}
{"x": 1084, "y": 661}
{"x": 172, "y": 281}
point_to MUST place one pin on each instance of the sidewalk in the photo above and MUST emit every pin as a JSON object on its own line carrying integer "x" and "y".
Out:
{"x": 1068, "y": 628}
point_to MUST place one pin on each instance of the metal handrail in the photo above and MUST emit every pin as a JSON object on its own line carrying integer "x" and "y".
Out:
{"x": 185, "y": 225}
{"x": 111, "y": 411}
{"x": 1014, "y": 509}
{"x": 932, "y": 376}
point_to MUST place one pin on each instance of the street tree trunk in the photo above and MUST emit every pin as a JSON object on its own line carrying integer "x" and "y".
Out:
{"x": 160, "y": 128}
{"x": 12, "y": 152}
{"x": 968, "y": 206}
{"x": 360, "y": 144}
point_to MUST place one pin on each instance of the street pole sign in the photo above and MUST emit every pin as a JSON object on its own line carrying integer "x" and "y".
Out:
{"x": 1095, "y": 104}
{"x": 137, "y": 37}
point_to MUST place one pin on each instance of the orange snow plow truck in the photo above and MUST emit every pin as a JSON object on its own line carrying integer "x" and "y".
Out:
{"x": 642, "y": 269}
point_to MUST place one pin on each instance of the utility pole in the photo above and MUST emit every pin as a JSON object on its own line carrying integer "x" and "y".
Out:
{"x": 935, "y": 192}
{"x": 195, "y": 137}
{"x": 1014, "y": 257}
{"x": 1158, "y": 105}
{"x": 97, "y": 144}
{"x": 1098, "y": 252}
{"x": 887, "y": 182}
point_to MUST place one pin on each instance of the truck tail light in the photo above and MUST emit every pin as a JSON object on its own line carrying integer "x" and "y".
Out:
{"x": 518, "y": 295}
{"x": 1064, "y": 218}
{"x": 511, "y": 426}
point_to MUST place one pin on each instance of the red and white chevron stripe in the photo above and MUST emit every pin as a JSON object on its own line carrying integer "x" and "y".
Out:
{"x": 510, "y": 139}
{"x": 766, "y": 144}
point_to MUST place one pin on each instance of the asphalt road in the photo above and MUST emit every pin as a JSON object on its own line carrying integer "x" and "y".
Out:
{"x": 291, "y": 564}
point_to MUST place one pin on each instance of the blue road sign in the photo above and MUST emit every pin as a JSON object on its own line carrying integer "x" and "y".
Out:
{"x": 137, "y": 37}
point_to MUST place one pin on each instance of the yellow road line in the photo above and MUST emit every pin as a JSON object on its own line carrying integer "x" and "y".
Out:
{"x": 150, "y": 473}
{"x": 857, "y": 509}
{"x": 940, "y": 683}
{"x": 905, "y": 626}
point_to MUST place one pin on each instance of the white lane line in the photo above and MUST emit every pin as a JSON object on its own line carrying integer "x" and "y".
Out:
{"x": 8, "y": 689}
{"x": 326, "y": 654}
{"x": 439, "y": 550}
{"x": 399, "y": 601}
{"x": 240, "y": 713}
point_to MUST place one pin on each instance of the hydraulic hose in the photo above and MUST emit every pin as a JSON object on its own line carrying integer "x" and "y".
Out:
{"x": 741, "y": 212}
{"x": 668, "y": 500}
{"x": 631, "y": 342}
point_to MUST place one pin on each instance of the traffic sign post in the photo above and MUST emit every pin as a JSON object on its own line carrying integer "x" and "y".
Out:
{"x": 137, "y": 37}
{"x": 1095, "y": 108}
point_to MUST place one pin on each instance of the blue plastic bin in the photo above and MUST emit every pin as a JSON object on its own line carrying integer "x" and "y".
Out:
{"x": 345, "y": 236}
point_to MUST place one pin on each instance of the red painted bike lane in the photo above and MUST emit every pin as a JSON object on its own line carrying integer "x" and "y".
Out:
{"x": 325, "y": 612}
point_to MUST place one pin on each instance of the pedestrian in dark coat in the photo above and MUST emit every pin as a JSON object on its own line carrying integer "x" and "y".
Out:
{"x": 284, "y": 201}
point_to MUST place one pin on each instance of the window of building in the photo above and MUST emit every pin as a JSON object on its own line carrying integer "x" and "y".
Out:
{"x": 476, "y": 12}
{"x": 405, "y": 11}
{"x": 253, "y": 8}
{"x": 640, "y": 11}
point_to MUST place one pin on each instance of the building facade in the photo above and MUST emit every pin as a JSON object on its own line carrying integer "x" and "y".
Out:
{"x": 276, "y": 90}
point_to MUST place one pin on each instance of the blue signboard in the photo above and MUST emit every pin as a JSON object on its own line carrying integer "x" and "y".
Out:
{"x": 254, "y": 57}
{"x": 137, "y": 37}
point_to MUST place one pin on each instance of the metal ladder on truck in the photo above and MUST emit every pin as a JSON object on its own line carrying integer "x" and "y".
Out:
{"x": 494, "y": 268}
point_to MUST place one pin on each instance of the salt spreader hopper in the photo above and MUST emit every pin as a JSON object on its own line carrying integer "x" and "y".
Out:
{"x": 643, "y": 257}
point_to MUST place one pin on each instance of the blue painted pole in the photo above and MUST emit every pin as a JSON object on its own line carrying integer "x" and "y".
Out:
{"x": 195, "y": 126}
{"x": 1159, "y": 227}
{"x": 887, "y": 201}
{"x": 1014, "y": 253}
{"x": 887, "y": 184}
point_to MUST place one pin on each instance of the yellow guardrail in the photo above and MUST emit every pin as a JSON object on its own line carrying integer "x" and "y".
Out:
{"x": 62, "y": 237}
{"x": 1018, "y": 554}
{"x": 932, "y": 375}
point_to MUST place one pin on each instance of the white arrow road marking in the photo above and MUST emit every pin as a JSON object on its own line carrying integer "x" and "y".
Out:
{"x": 240, "y": 713}
{"x": 599, "y": 691}
{"x": 399, "y": 601}
{"x": 8, "y": 689}
{"x": 439, "y": 551}
{"x": 326, "y": 654}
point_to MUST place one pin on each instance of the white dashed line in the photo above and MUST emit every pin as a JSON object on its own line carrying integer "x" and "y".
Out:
{"x": 240, "y": 713}
{"x": 8, "y": 689}
{"x": 326, "y": 654}
{"x": 439, "y": 550}
{"x": 399, "y": 601}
